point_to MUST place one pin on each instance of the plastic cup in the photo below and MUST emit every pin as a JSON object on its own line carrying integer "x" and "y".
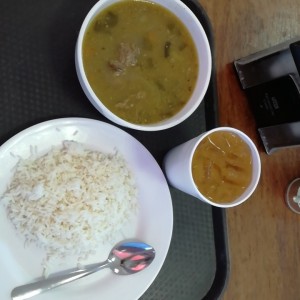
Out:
{"x": 292, "y": 196}
{"x": 178, "y": 168}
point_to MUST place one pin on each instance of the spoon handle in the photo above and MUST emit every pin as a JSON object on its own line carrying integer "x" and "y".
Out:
{"x": 32, "y": 289}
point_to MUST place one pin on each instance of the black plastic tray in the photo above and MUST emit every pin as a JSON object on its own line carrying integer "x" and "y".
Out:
{"x": 38, "y": 82}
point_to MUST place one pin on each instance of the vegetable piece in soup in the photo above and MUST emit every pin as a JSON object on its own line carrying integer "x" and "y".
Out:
{"x": 140, "y": 60}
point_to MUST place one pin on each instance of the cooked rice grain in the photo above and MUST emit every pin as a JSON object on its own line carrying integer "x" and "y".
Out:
{"x": 71, "y": 199}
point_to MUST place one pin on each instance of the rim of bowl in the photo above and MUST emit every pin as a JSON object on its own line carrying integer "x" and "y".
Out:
{"x": 201, "y": 83}
{"x": 256, "y": 168}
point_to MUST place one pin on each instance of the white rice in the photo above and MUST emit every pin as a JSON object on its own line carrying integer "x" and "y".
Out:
{"x": 70, "y": 200}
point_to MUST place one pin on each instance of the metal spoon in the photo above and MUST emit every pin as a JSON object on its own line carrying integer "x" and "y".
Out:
{"x": 124, "y": 259}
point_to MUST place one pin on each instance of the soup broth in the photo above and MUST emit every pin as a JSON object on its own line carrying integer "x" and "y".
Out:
{"x": 140, "y": 60}
{"x": 222, "y": 166}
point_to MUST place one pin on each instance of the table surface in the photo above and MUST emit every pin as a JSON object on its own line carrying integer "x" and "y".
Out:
{"x": 264, "y": 235}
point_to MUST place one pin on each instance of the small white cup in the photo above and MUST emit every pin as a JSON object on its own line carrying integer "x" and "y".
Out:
{"x": 178, "y": 167}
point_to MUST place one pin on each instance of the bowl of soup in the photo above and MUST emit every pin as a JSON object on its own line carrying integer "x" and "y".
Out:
{"x": 144, "y": 65}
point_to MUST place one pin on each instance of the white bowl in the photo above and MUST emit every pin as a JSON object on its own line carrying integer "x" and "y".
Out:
{"x": 204, "y": 56}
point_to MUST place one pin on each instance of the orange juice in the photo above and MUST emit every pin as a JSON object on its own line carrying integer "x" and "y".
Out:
{"x": 222, "y": 166}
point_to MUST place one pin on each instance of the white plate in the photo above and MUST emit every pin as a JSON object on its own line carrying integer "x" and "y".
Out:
{"x": 20, "y": 265}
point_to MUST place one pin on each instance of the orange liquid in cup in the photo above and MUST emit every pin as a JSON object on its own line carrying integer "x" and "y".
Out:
{"x": 222, "y": 166}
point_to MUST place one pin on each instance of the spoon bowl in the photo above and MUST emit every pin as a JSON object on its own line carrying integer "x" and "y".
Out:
{"x": 130, "y": 257}
{"x": 125, "y": 258}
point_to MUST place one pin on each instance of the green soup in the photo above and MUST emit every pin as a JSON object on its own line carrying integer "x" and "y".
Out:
{"x": 140, "y": 60}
